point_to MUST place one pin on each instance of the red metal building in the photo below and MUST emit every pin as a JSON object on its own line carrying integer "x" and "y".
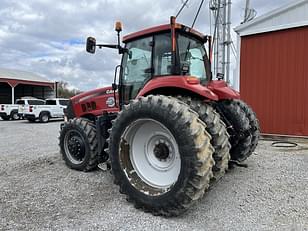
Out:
{"x": 273, "y": 69}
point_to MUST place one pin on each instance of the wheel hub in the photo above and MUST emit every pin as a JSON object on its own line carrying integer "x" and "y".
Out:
{"x": 15, "y": 116}
{"x": 75, "y": 147}
{"x": 161, "y": 151}
{"x": 45, "y": 118}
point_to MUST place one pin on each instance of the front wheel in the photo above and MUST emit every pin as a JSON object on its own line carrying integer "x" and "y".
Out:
{"x": 78, "y": 144}
{"x": 161, "y": 155}
{"x": 14, "y": 115}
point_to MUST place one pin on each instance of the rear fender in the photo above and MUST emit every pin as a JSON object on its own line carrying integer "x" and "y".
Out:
{"x": 47, "y": 112}
{"x": 222, "y": 90}
{"x": 177, "y": 85}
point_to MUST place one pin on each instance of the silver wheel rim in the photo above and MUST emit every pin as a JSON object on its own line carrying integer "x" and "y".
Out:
{"x": 45, "y": 118}
{"x": 153, "y": 153}
{"x": 74, "y": 134}
{"x": 15, "y": 116}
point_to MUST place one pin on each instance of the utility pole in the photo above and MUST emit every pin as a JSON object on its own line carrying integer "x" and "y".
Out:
{"x": 222, "y": 37}
{"x": 229, "y": 41}
{"x": 224, "y": 23}
{"x": 247, "y": 9}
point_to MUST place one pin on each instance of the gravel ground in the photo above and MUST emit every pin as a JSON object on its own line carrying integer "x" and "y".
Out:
{"x": 38, "y": 192}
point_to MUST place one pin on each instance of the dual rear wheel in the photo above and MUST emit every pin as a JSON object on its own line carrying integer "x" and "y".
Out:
{"x": 243, "y": 127}
{"x": 161, "y": 155}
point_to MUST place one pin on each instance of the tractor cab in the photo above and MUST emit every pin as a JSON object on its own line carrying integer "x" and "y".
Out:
{"x": 161, "y": 54}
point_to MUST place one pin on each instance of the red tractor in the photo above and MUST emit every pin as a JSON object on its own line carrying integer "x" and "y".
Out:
{"x": 165, "y": 128}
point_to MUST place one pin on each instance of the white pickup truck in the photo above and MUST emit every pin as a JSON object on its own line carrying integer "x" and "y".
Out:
{"x": 11, "y": 111}
{"x": 53, "y": 108}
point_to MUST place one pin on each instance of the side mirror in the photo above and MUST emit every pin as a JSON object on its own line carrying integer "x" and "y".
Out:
{"x": 91, "y": 45}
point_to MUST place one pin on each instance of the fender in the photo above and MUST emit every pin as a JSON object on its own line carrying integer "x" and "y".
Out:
{"x": 47, "y": 112}
{"x": 180, "y": 83}
{"x": 222, "y": 90}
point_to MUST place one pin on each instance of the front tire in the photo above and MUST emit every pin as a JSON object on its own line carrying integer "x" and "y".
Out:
{"x": 161, "y": 155}
{"x": 14, "y": 115}
{"x": 78, "y": 144}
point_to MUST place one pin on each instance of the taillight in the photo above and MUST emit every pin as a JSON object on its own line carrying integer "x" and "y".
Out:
{"x": 30, "y": 108}
{"x": 2, "y": 107}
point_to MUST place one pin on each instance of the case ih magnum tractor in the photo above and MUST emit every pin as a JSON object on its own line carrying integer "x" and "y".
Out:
{"x": 165, "y": 127}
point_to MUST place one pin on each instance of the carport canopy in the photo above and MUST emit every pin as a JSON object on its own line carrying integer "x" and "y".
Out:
{"x": 16, "y": 77}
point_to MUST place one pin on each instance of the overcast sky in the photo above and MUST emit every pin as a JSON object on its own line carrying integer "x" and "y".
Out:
{"x": 48, "y": 36}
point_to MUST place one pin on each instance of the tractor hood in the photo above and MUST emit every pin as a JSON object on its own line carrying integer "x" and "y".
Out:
{"x": 91, "y": 94}
{"x": 222, "y": 90}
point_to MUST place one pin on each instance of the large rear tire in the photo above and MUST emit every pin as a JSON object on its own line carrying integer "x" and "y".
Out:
{"x": 161, "y": 155}
{"x": 78, "y": 144}
{"x": 254, "y": 125}
{"x": 217, "y": 129}
{"x": 238, "y": 128}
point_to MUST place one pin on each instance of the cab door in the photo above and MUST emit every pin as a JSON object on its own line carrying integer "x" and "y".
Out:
{"x": 136, "y": 68}
{"x": 146, "y": 58}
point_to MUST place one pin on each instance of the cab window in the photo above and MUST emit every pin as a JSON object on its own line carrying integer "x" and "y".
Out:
{"x": 63, "y": 102}
{"x": 162, "y": 54}
{"x": 20, "y": 102}
{"x": 36, "y": 102}
{"x": 51, "y": 102}
{"x": 137, "y": 66}
{"x": 192, "y": 55}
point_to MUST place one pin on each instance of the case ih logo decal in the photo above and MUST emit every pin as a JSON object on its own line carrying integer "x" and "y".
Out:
{"x": 106, "y": 92}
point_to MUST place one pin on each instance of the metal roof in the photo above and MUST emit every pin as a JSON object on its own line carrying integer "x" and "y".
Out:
{"x": 21, "y": 75}
{"x": 288, "y": 16}
{"x": 160, "y": 28}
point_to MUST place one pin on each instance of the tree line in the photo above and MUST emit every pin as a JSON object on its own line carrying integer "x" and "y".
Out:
{"x": 65, "y": 92}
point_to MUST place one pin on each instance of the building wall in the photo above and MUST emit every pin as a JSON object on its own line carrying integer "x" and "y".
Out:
{"x": 274, "y": 79}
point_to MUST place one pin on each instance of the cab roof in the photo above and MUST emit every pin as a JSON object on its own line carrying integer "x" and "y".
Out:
{"x": 162, "y": 28}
